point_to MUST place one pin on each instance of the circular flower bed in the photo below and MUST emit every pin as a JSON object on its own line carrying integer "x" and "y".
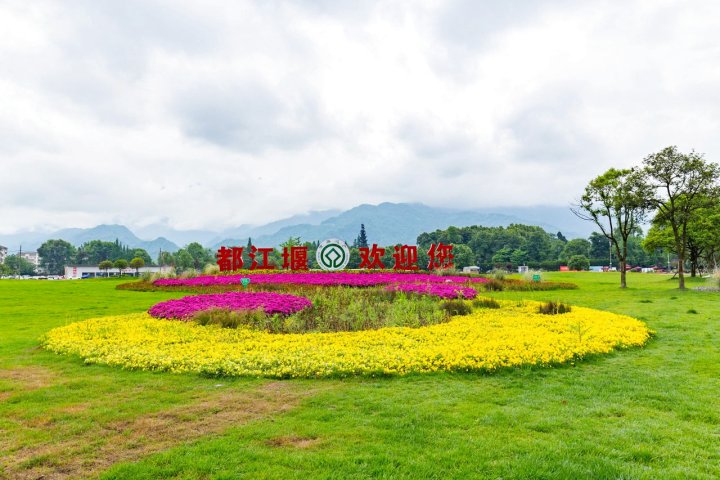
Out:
{"x": 321, "y": 279}
{"x": 270, "y": 303}
{"x": 486, "y": 340}
{"x": 442, "y": 290}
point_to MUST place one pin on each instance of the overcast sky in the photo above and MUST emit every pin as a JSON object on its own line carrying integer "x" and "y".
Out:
{"x": 212, "y": 114}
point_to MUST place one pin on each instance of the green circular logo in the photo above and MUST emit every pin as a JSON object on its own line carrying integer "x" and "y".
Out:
{"x": 333, "y": 254}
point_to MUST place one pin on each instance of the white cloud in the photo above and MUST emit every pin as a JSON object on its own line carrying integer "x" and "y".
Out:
{"x": 245, "y": 112}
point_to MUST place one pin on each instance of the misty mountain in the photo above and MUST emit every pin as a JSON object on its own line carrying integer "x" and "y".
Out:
{"x": 78, "y": 236}
{"x": 390, "y": 223}
{"x": 386, "y": 224}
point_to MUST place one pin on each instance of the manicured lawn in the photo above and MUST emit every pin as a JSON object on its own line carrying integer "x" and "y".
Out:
{"x": 642, "y": 413}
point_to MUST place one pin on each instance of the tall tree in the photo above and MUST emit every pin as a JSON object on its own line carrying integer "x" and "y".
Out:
{"x": 683, "y": 184}
{"x": 55, "y": 254}
{"x": 362, "y": 241}
{"x": 19, "y": 266}
{"x": 121, "y": 264}
{"x": 616, "y": 201}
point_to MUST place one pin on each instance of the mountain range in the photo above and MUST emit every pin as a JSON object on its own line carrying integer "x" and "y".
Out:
{"x": 385, "y": 224}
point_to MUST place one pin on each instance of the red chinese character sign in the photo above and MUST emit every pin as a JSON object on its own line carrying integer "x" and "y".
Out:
{"x": 334, "y": 255}
{"x": 441, "y": 256}
{"x": 405, "y": 257}
{"x": 295, "y": 258}
{"x": 371, "y": 258}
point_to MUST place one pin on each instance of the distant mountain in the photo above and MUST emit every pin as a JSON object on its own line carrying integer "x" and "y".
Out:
{"x": 78, "y": 236}
{"x": 390, "y": 223}
{"x": 386, "y": 224}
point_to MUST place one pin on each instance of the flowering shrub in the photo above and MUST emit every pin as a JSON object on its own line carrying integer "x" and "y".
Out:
{"x": 313, "y": 278}
{"x": 442, "y": 290}
{"x": 270, "y": 303}
{"x": 486, "y": 340}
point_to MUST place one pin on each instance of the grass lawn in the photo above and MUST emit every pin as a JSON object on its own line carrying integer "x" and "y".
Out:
{"x": 643, "y": 413}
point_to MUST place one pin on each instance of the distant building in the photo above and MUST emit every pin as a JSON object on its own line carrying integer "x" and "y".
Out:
{"x": 3, "y": 254}
{"x": 31, "y": 257}
{"x": 471, "y": 269}
{"x": 92, "y": 271}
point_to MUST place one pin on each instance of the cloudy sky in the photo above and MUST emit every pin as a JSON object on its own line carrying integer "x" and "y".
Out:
{"x": 212, "y": 114}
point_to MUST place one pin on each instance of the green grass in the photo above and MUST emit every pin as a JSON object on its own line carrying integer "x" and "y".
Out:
{"x": 642, "y": 413}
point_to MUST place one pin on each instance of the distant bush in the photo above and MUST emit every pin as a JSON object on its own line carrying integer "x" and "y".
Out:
{"x": 456, "y": 307}
{"x": 211, "y": 269}
{"x": 494, "y": 285}
{"x": 579, "y": 262}
{"x": 485, "y": 303}
{"x": 554, "y": 308}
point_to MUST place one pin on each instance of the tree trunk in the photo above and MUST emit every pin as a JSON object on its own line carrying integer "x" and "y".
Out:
{"x": 681, "y": 273}
{"x": 623, "y": 273}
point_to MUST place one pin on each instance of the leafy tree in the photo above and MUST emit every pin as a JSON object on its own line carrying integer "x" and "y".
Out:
{"x": 201, "y": 256}
{"x": 141, "y": 253}
{"x": 55, "y": 254}
{"x": 616, "y": 201}
{"x": 183, "y": 260}
{"x": 121, "y": 264}
{"x": 576, "y": 246}
{"x": 19, "y": 266}
{"x": 599, "y": 245}
{"x": 684, "y": 184}
{"x": 578, "y": 262}
{"x": 137, "y": 263}
{"x": 464, "y": 256}
{"x": 518, "y": 257}
{"x": 105, "y": 265}
{"x": 166, "y": 258}
{"x": 561, "y": 237}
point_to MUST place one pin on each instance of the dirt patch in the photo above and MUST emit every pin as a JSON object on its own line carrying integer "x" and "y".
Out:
{"x": 293, "y": 441}
{"x": 28, "y": 378}
{"x": 96, "y": 450}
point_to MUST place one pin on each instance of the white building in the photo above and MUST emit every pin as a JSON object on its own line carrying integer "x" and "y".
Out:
{"x": 3, "y": 254}
{"x": 92, "y": 271}
{"x": 31, "y": 257}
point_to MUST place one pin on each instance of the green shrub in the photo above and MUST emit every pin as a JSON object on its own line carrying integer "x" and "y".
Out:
{"x": 456, "y": 307}
{"x": 553, "y": 308}
{"x": 211, "y": 269}
{"x": 494, "y": 285}
{"x": 485, "y": 303}
{"x": 579, "y": 262}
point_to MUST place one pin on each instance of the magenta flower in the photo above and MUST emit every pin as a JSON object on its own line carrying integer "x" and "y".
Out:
{"x": 271, "y": 303}
{"x": 442, "y": 290}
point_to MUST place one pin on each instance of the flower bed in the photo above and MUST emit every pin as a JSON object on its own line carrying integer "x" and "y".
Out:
{"x": 270, "y": 303}
{"x": 442, "y": 290}
{"x": 486, "y": 340}
{"x": 321, "y": 279}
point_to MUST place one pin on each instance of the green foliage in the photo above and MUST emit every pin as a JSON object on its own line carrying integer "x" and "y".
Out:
{"x": 456, "y": 307}
{"x": 361, "y": 241}
{"x": 137, "y": 263}
{"x": 338, "y": 309}
{"x": 576, "y": 246}
{"x": 554, "y": 308}
{"x": 256, "y": 319}
{"x": 105, "y": 265}
{"x": 617, "y": 202}
{"x": 121, "y": 264}
{"x": 578, "y": 262}
{"x": 485, "y": 303}
{"x": 55, "y": 255}
{"x": 17, "y": 265}
{"x": 684, "y": 184}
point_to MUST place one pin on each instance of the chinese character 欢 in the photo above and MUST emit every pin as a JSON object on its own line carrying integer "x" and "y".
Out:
{"x": 371, "y": 258}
